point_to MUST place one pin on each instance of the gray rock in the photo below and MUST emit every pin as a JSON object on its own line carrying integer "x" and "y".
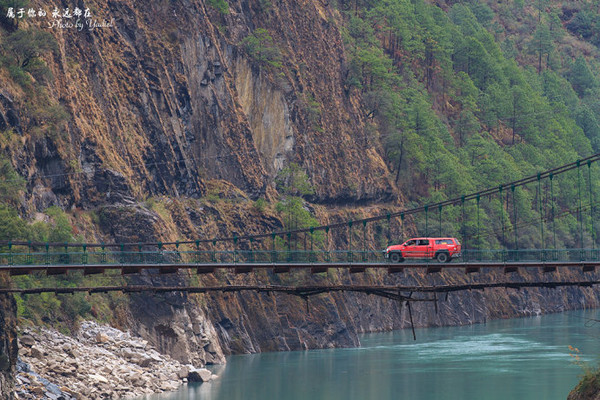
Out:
{"x": 102, "y": 337}
{"x": 210, "y": 348}
{"x": 37, "y": 352}
{"x": 128, "y": 353}
{"x": 183, "y": 372}
{"x": 199, "y": 375}
{"x": 144, "y": 362}
{"x": 52, "y": 396}
{"x": 27, "y": 340}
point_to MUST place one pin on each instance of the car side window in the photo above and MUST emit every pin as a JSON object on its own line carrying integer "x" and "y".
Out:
{"x": 410, "y": 243}
{"x": 423, "y": 242}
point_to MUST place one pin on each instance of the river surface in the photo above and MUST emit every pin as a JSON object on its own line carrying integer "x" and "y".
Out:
{"x": 526, "y": 358}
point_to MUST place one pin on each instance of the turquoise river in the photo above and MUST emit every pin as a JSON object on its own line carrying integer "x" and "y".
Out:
{"x": 526, "y": 358}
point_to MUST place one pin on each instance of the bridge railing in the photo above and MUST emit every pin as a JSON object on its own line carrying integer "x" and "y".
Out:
{"x": 40, "y": 258}
{"x": 278, "y": 257}
{"x": 188, "y": 257}
{"x": 531, "y": 255}
{"x": 285, "y": 256}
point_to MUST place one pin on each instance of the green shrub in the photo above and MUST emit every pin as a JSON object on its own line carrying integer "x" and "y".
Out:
{"x": 219, "y": 5}
{"x": 260, "y": 205}
{"x": 260, "y": 46}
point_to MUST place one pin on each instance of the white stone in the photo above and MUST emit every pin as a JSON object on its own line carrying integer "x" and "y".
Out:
{"x": 183, "y": 372}
{"x": 102, "y": 337}
{"x": 98, "y": 378}
{"x": 200, "y": 375}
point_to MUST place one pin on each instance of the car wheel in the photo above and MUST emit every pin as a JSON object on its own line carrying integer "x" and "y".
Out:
{"x": 396, "y": 257}
{"x": 442, "y": 257}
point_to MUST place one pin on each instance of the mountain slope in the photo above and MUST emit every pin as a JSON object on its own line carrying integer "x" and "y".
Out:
{"x": 203, "y": 119}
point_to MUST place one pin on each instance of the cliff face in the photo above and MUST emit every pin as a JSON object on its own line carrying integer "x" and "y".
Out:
{"x": 166, "y": 103}
{"x": 8, "y": 344}
{"x": 165, "y": 99}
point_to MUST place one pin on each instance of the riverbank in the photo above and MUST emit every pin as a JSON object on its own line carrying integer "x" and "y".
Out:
{"x": 98, "y": 362}
{"x": 588, "y": 387}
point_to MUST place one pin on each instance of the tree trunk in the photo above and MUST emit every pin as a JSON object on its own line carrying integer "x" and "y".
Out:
{"x": 398, "y": 168}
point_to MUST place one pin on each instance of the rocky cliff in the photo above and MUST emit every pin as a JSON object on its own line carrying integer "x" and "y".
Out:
{"x": 165, "y": 99}
{"x": 8, "y": 343}
{"x": 161, "y": 123}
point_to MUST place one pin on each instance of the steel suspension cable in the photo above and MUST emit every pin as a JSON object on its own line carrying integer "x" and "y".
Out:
{"x": 364, "y": 240}
{"x": 440, "y": 212}
{"x": 512, "y": 188}
{"x": 539, "y": 198}
{"x": 535, "y": 221}
{"x": 502, "y": 215}
{"x": 426, "y": 220}
{"x": 593, "y": 232}
{"x": 389, "y": 221}
{"x": 478, "y": 237}
{"x": 464, "y": 228}
{"x": 482, "y": 193}
{"x": 402, "y": 227}
{"x": 350, "y": 240}
{"x": 553, "y": 212}
{"x": 579, "y": 195}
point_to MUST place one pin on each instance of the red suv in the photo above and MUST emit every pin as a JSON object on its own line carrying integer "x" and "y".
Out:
{"x": 442, "y": 249}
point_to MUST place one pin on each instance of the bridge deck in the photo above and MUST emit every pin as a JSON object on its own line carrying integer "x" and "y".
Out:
{"x": 243, "y": 267}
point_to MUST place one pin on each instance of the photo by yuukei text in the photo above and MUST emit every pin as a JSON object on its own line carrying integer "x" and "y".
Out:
{"x": 65, "y": 18}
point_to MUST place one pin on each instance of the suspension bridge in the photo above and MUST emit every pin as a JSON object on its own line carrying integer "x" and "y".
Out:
{"x": 545, "y": 221}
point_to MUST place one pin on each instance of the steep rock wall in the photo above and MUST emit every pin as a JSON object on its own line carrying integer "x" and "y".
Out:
{"x": 165, "y": 103}
{"x": 166, "y": 98}
{"x": 8, "y": 344}
{"x": 268, "y": 113}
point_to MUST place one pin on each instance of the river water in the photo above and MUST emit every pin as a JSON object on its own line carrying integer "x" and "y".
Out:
{"x": 526, "y": 358}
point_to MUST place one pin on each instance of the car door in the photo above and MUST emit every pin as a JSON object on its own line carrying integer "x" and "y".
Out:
{"x": 421, "y": 249}
{"x": 408, "y": 249}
